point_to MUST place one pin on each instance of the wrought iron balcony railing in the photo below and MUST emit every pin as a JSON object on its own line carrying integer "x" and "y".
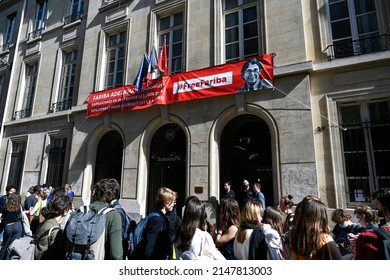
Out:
{"x": 358, "y": 47}
{"x": 73, "y": 17}
{"x": 35, "y": 34}
{"x": 25, "y": 113}
{"x": 64, "y": 104}
{"x": 4, "y": 48}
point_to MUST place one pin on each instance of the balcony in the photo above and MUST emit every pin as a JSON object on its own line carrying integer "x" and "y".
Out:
{"x": 25, "y": 113}
{"x": 35, "y": 34}
{"x": 358, "y": 47}
{"x": 73, "y": 17}
{"x": 4, "y": 48}
{"x": 64, "y": 104}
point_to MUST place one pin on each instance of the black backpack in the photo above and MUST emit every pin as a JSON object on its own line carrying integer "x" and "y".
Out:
{"x": 85, "y": 234}
{"x": 385, "y": 236}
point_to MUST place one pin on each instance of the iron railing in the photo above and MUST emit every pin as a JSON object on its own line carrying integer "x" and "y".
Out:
{"x": 21, "y": 114}
{"x": 358, "y": 47}
{"x": 4, "y": 48}
{"x": 64, "y": 104}
{"x": 35, "y": 34}
{"x": 73, "y": 17}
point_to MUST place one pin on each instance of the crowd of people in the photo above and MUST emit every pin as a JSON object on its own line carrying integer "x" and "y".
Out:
{"x": 246, "y": 228}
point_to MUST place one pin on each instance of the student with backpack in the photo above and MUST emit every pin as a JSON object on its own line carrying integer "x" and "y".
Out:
{"x": 94, "y": 232}
{"x": 49, "y": 232}
{"x": 128, "y": 222}
{"x": 156, "y": 243}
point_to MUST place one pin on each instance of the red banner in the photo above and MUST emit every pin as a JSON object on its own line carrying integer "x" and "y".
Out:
{"x": 247, "y": 75}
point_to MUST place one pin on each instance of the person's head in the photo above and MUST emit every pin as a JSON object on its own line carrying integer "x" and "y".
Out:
{"x": 274, "y": 218}
{"x": 256, "y": 187}
{"x": 68, "y": 187}
{"x": 251, "y": 70}
{"x": 252, "y": 213}
{"x": 13, "y": 202}
{"x": 341, "y": 217}
{"x": 366, "y": 215}
{"x": 10, "y": 189}
{"x": 227, "y": 186}
{"x": 229, "y": 213}
{"x": 194, "y": 217}
{"x": 104, "y": 190}
{"x": 310, "y": 222}
{"x": 31, "y": 190}
{"x": 286, "y": 203}
{"x": 382, "y": 201}
{"x": 165, "y": 199}
{"x": 59, "y": 205}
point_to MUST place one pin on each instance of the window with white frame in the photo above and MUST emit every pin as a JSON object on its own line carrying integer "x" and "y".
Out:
{"x": 40, "y": 16}
{"x": 170, "y": 31}
{"x": 354, "y": 27}
{"x": 64, "y": 101}
{"x": 10, "y": 26}
{"x": 115, "y": 63}
{"x": 16, "y": 163}
{"x": 242, "y": 22}
{"x": 366, "y": 147}
{"x": 57, "y": 152}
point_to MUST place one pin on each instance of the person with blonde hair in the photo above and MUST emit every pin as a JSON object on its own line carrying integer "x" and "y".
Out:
{"x": 310, "y": 237}
{"x": 254, "y": 240}
{"x": 156, "y": 242}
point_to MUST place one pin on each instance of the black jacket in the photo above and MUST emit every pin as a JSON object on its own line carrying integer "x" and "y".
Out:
{"x": 156, "y": 243}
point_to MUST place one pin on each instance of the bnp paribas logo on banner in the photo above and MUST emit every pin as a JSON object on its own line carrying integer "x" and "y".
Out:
{"x": 206, "y": 82}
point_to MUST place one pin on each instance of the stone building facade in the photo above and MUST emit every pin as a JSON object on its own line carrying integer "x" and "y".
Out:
{"x": 323, "y": 130}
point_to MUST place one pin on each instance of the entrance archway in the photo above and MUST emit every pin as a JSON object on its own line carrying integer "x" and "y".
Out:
{"x": 246, "y": 154}
{"x": 109, "y": 157}
{"x": 168, "y": 164}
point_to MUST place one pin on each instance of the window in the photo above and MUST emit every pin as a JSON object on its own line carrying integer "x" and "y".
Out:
{"x": 115, "y": 60}
{"x": 76, "y": 11}
{"x": 40, "y": 18}
{"x": 67, "y": 82}
{"x": 170, "y": 31}
{"x": 354, "y": 27}
{"x": 57, "y": 151}
{"x": 10, "y": 28}
{"x": 28, "y": 100}
{"x": 366, "y": 148}
{"x": 242, "y": 29}
{"x": 16, "y": 166}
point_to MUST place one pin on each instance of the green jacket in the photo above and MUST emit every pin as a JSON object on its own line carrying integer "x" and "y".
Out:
{"x": 113, "y": 245}
{"x": 46, "y": 247}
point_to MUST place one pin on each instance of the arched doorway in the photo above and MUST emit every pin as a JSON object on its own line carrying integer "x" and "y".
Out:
{"x": 168, "y": 163}
{"x": 109, "y": 157}
{"x": 246, "y": 154}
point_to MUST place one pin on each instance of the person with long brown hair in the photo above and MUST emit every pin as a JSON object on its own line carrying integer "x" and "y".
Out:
{"x": 229, "y": 222}
{"x": 192, "y": 240}
{"x": 11, "y": 215}
{"x": 310, "y": 237}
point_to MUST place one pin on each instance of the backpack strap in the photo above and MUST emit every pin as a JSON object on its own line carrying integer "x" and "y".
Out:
{"x": 382, "y": 233}
{"x": 46, "y": 233}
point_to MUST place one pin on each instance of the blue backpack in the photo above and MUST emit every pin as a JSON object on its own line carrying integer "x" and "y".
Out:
{"x": 136, "y": 232}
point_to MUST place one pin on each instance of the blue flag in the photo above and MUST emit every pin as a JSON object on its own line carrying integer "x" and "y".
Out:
{"x": 153, "y": 60}
{"x": 142, "y": 72}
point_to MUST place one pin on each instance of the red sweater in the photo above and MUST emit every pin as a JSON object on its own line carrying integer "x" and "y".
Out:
{"x": 369, "y": 246}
